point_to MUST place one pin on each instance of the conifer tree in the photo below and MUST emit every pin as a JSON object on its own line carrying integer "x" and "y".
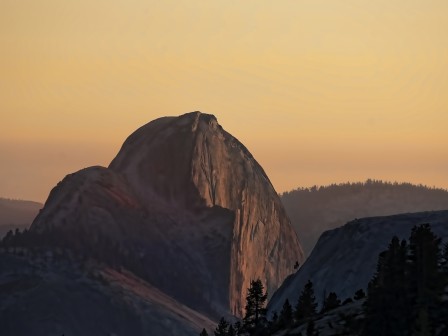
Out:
{"x": 387, "y": 307}
{"x": 359, "y": 294}
{"x": 238, "y": 328}
{"x": 8, "y": 239}
{"x": 222, "y": 328}
{"x": 426, "y": 281}
{"x": 331, "y": 302}
{"x": 273, "y": 324}
{"x": 306, "y": 305}
{"x": 255, "y": 316}
{"x": 203, "y": 333}
{"x": 445, "y": 259}
{"x": 444, "y": 305}
{"x": 286, "y": 315}
{"x": 404, "y": 297}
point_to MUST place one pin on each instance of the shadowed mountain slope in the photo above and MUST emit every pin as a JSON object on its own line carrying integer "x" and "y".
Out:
{"x": 45, "y": 296}
{"x": 344, "y": 259}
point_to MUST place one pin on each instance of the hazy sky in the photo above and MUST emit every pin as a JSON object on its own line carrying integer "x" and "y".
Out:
{"x": 320, "y": 91}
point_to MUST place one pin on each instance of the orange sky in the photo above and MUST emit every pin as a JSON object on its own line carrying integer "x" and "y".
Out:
{"x": 320, "y": 91}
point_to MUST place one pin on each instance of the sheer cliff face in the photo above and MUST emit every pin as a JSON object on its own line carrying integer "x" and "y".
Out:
{"x": 192, "y": 162}
{"x": 204, "y": 194}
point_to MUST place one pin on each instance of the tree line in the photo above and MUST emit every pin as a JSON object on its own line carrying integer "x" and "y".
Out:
{"x": 76, "y": 242}
{"x": 256, "y": 322}
{"x": 407, "y": 295}
{"x": 371, "y": 183}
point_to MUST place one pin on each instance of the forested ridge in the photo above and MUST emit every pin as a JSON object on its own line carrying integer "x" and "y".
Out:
{"x": 317, "y": 209}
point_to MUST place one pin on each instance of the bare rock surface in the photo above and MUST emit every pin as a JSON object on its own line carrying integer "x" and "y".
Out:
{"x": 194, "y": 203}
{"x": 344, "y": 259}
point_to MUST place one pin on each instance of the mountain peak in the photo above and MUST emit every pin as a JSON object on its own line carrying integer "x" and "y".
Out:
{"x": 199, "y": 115}
{"x": 197, "y": 118}
{"x": 183, "y": 184}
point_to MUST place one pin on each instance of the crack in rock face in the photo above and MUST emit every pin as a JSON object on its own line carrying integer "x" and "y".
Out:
{"x": 202, "y": 196}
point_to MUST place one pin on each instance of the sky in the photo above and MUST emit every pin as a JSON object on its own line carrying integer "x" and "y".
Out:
{"x": 320, "y": 91}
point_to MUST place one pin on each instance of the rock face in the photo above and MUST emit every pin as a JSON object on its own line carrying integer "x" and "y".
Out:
{"x": 344, "y": 259}
{"x": 192, "y": 200}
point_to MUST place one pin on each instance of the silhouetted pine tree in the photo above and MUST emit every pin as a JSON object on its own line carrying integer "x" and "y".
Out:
{"x": 7, "y": 240}
{"x": 203, "y": 333}
{"x": 404, "y": 297}
{"x": 306, "y": 305}
{"x": 255, "y": 317}
{"x": 359, "y": 294}
{"x": 425, "y": 279}
{"x": 238, "y": 328}
{"x": 444, "y": 305}
{"x": 331, "y": 302}
{"x": 222, "y": 327}
{"x": 387, "y": 308}
{"x": 444, "y": 262}
{"x": 286, "y": 318}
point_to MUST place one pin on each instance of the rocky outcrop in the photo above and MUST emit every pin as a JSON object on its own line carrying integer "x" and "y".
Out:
{"x": 344, "y": 259}
{"x": 203, "y": 214}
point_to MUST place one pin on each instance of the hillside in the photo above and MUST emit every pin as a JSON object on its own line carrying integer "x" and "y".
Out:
{"x": 315, "y": 210}
{"x": 50, "y": 294}
{"x": 344, "y": 259}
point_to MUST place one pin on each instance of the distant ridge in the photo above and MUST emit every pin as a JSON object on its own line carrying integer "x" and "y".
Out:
{"x": 317, "y": 209}
{"x": 16, "y": 213}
